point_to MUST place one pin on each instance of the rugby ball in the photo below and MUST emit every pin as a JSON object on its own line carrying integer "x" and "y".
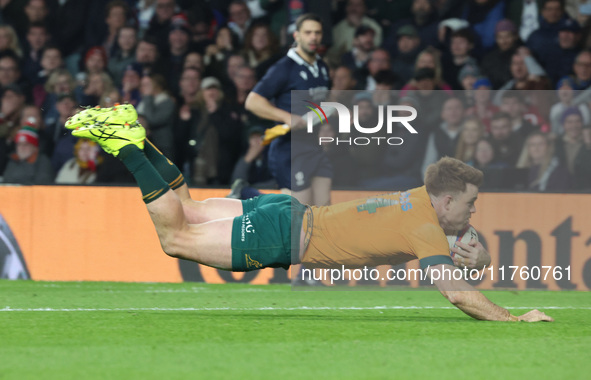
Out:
{"x": 465, "y": 235}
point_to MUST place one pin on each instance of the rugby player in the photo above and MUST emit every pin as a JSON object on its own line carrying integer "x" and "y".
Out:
{"x": 276, "y": 230}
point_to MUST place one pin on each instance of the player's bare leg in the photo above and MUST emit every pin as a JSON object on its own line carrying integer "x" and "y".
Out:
{"x": 195, "y": 211}
{"x": 207, "y": 243}
{"x": 321, "y": 191}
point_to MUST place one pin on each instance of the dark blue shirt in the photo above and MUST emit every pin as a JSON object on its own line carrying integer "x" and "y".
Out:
{"x": 291, "y": 73}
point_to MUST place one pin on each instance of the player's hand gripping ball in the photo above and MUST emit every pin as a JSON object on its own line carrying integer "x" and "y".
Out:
{"x": 465, "y": 236}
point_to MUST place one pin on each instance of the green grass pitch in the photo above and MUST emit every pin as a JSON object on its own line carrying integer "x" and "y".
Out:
{"x": 199, "y": 331}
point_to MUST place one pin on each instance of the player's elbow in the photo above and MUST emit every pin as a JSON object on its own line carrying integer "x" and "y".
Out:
{"x": 250, "y": 101}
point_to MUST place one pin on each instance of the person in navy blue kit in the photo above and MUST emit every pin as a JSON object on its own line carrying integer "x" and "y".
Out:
{"x": 296, "y": 160}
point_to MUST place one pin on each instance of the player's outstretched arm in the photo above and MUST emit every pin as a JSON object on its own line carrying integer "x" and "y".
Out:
{"x": 466, "y": 298}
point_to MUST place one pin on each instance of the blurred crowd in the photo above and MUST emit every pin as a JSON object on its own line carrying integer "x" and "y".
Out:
{"x": 504, "y": 85}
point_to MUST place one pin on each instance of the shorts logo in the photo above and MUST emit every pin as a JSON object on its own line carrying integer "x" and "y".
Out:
{"x": 247, "y": 227}
{"x": 252, "y": 263}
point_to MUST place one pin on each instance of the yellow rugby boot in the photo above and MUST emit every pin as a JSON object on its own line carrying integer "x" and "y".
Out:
{"x": 113, "y": 137}
{"x": 119, "y": 114}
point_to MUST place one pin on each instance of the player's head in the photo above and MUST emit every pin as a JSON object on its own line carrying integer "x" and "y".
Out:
{"x": 453, "y": 188}
{"x": 308, "y": 33}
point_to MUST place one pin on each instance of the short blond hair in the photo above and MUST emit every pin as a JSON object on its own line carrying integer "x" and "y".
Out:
{"x": 450, "y": 176}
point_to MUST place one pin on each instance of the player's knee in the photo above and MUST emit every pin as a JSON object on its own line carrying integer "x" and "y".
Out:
{"x": 172, "y": 245}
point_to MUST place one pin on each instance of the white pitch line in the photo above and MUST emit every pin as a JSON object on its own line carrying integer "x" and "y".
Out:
{"x": 304, "y": 308}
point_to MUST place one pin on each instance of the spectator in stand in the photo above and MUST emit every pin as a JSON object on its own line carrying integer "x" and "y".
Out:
{"x": 59, "y": 82}
{"x": 235, "y": 62}
{"x": 342, "y": 79}
{"x": 144, "y": 12}
{"x": 124, "y": 53}
{"x": 484, "y": 156}
{"x": 179, "y": 42}
{"x": 483, "y": 108}
{"x": 408, "y": 45}
{"x": 507, "y": 145}
{"x": 343, "y": 33}
{"x": 188, "y": 115}
{"x": 217, "y": 53}
{"x": 51, "y": 61}
{"x": 194, "y": 60}
{"x": 472, "y": 132}
{"x": 37, "y": 38}
{"x": 461, "y": 45}
{"x": 483, "y": 16}
{"x": 10, "y": 72}
{"x": 9, "y": 41}
{"x": 260, "y": 48}
{"x": 566, "y": 93}
{"x": 384, "y": 95}
{"x": 570, "y": 145}
{"x": 546, "y": 173}
{"x": 95, "y": 62}
{"x": 27, "y": 166}
{"x": 11, "y": 106}
{"x": 424, "y": 21}
{"x": 160, "y": 24}
{"x": 70, "y": 35}
{"x": 363, "y": 46}
{"x": 60, "y": 143}
{"x": 429, "y": 58}
{"x": 97, "y": 85}
{"x": 443, "y": 141}
{"x": 31, "y": 117}
{"x": 496, "y": 65}
{"x": 545, "y": 38}
{"x": 582, "y": 166}
{"x": 484, "y": 160}
{"x": 244, "y": 82}
{"x": 117, "y": 13}
{"x": 81, "y": 169}
{"x": 240, "y": 19}
{"x": 379, "y": 60}
{"x": 130, "y": 85}
{"x": 582, "y": 71}
{"x": 524, "y": 119}
{"x": 148, "y": 56}
{"x": 429, "y": 97}
{"x": 559, "y": 62}
{"x": 526, "y": 15}
{"x": 216, "y": 140}
{"x": 467, "y": 77}
{"x": 36, "y": 12}
{"x": 157, "y": 107}
{"x": 202, "y": 23}
{"x": 526, "y": 74}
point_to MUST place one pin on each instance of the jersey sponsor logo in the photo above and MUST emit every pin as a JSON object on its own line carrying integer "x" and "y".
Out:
{"x": 373, "y": 204}
{"x": 251, "y": 263}
{"x": 246, "y": 228}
